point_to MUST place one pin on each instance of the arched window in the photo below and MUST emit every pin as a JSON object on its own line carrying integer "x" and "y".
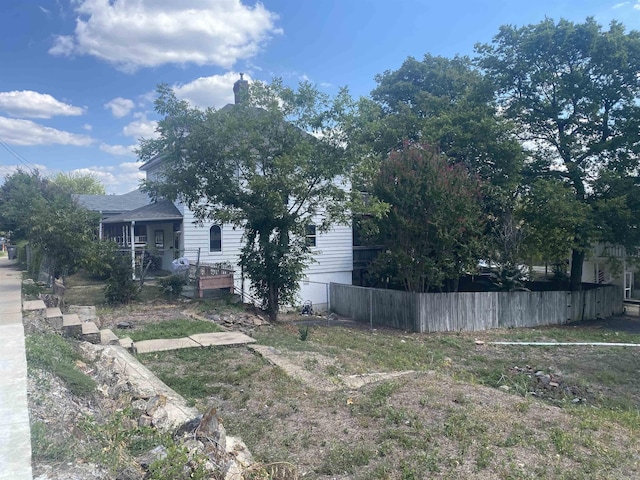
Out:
{"x": 215, "y": 239}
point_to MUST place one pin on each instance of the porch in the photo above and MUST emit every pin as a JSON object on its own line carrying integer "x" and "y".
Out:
{"x": 151, "y": 234}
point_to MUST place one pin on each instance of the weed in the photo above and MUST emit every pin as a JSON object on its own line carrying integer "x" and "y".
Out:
{"x": 179, "y": 464}
{"x": 50, "y": 352}
{"x": 31, "y": 291}
{"x": 310, "y": 363}
{"x": 343, "y": 458}
{"x": 562, "y": 441}
{"x": 171, "y": 286}
{"x": 170, "y": 329}
{"x": 303, "y": 331}
{"x": 47, "y": 447}
{"x": 484, "y": 457}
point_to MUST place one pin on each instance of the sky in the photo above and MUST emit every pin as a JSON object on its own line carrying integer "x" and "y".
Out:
{"x": 78, "y": 77}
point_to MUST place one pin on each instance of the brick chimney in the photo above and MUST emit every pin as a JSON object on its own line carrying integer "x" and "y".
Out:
{"x": 241, "y": 90}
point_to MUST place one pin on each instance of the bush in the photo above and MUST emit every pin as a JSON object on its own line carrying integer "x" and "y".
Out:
{"x": 121, "y": 288}
{"x": 171, "y": 286}
{"x": 100, "y": 258}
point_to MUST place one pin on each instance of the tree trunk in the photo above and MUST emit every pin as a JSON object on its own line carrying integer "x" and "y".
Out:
{"x": 577, "y": 260}
{"x": 272, "y": 308}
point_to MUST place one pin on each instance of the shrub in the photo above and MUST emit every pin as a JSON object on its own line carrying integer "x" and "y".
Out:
{"x": 171, "y": 286}
{"x": 121, "y": 288}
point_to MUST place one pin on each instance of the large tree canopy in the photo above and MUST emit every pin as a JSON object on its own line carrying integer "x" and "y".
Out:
{"x": 448, "y": 104}
{"x": 432, "y": 233}
{"x": 79, "y": 183}
{"x": 574, "y": 92}
{"x": 271, "y": 165}
{"x": 36, "y": 209}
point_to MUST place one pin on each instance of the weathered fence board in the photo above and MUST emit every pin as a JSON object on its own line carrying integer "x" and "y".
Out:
{"x": 473, "y": 311}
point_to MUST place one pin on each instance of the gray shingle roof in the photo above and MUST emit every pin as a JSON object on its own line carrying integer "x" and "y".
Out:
{"x": 114, "y": 204}
{"x": 160, "y": 210}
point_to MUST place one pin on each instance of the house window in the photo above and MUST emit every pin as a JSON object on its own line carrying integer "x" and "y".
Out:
{"x": 215, "y": 239}
{"x": 159, "y": 239}
{"x": 310, "y": 237}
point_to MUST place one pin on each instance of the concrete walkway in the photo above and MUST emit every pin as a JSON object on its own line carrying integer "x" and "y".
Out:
{"x": 15, "y": 436}
{"x": 197, "y": 340}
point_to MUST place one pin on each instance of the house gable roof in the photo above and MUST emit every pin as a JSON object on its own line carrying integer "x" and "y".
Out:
{"x": 113, "y": 204}
{"x": 158, "y": 211}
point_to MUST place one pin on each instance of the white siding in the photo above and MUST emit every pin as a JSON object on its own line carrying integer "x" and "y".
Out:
{"x": 333, "y": 254}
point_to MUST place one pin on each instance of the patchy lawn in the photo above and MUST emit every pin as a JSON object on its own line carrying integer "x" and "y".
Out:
{"x": 460, "y": 410}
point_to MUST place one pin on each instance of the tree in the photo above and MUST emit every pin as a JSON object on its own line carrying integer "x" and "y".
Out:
{"x": 446, "y": 103}
{"x": 38, "y": 210}
{"x": 22, "y": 195}
{"x": 573, "y": 90}
{"x": 79, "y": 183}
{"x": 433, "y": 230}
{"x": 271, "y": 165}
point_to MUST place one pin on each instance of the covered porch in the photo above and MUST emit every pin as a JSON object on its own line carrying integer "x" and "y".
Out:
{"x": 150, "y": 234}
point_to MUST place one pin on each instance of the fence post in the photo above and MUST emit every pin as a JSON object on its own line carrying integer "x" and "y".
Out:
{"x": 371, "y": 308}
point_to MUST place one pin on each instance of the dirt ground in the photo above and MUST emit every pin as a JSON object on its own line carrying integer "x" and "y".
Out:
{"x": 426, "y": 424}
{"x": 402, "y": 424}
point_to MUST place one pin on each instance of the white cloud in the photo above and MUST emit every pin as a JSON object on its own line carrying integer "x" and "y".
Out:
{"x": 637, "y": 5}
{"x": 87, "y": 127}
{"x": 27, "y": 103}
{"x": 214, "y": 91}
{"x": 116, "y": 179}
{"x": 621, "y": 4}
{"x": 125, "y": 150}
{"x": 120, "y": 107}
{"x": 149, "y": 33}
{"x": 25, "y": 132}
{"x": 141, "y": 128}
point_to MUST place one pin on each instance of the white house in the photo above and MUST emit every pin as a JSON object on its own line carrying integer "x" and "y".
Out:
{"x": 613, "y": 264}
{"x": 170, "y": 231}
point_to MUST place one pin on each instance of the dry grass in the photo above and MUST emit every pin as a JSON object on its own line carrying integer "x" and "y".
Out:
{"x": 444, "y": 421}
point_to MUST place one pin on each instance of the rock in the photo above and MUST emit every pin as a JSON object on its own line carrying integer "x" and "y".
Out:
{"x": 539, "y": 373}
{"x": 124, "y": 325}
{"x": 28, "y": 281}
{"x": 237, "y": 448}
{"x": 544, "y": 379}
{"x": 188, "y": 428}
{"x": 145, "y": 421}
{"x": 232, "y": 471}
{"x": 554, "y": 384}
{"x": 130, "y": 473}
{"x": 212, "y": 430}
{"x": 139, "y": 406}
{"x": 506, "y": 388}
{"x": 215, "y": 318}
{"x": 576, "y": 400}
{"x": 479, "y": 342}
{"x": 158, "y": 453}
{"x": 154, "y": 403}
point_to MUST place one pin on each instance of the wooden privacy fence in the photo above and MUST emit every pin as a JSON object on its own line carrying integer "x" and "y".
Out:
{"x": 472, "y": 311}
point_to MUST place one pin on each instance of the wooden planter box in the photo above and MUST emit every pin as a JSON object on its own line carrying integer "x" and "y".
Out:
{"x": 215, "y": 282}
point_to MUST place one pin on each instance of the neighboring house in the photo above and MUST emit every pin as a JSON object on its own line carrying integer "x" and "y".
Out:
{"x": 613, "y": 264}
{"x": 170, "y": 230}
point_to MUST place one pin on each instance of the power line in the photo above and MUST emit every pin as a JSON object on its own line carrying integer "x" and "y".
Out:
{"x": 30, "y": 166}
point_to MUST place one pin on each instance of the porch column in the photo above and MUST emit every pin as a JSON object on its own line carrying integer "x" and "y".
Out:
{"x": 133, "y": 249}
{"x": 100, "y": 230}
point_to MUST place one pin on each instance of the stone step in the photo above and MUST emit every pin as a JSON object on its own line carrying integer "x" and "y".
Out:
{"x": 54, "y": 318}
{"x": 126, "y": 342}
{"x": 34, "y": 310}
{"x": 71, "y": 326}
{"x": 90, "y": 332}
{"x": 107, "y": 337}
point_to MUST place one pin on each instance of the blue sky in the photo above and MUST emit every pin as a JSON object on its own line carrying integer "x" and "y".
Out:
{"x": 77, "y": 77}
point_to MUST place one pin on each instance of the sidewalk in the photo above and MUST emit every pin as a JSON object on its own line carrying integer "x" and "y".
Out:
{"x": 15, "y": 436}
